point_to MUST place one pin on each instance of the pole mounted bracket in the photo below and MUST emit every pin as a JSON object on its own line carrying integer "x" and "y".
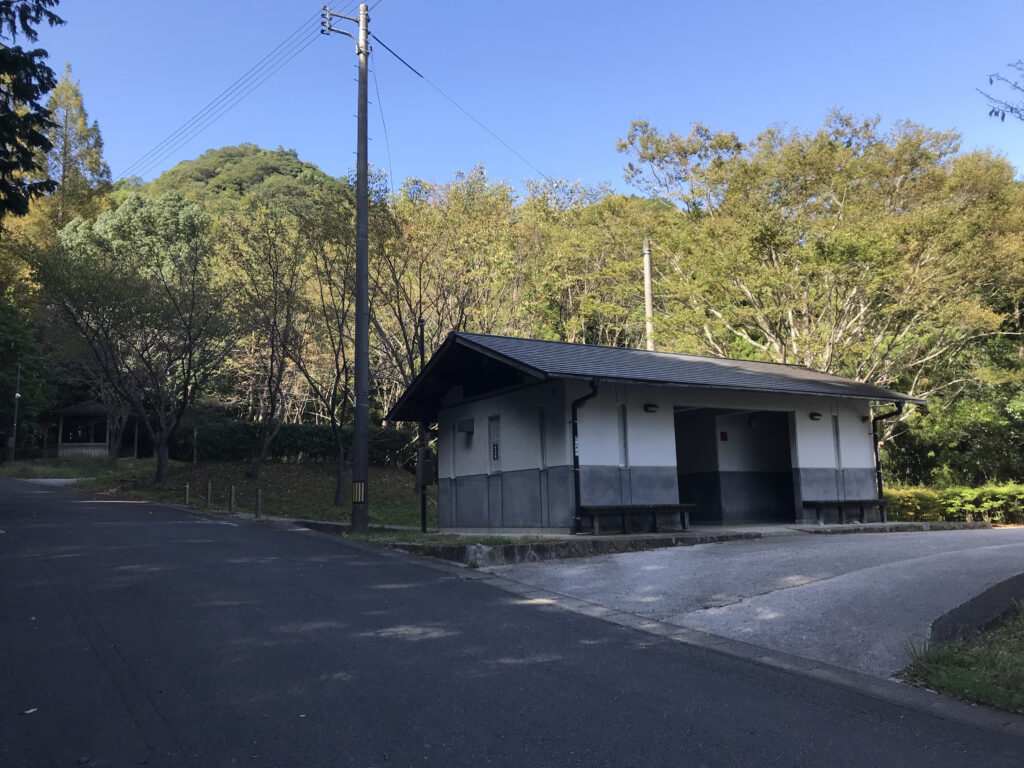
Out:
{"x": 326, "y": 28}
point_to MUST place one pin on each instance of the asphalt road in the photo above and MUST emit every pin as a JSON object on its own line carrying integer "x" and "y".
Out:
{"x": 134, "y": 634}
{"x": 856, "y": 601}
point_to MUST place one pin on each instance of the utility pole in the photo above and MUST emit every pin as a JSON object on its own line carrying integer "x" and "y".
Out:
{"x": 423, "y": 446}
{"x": 14, "y": 426}
{"x": 361, "y": 426}
{"x": 648, "y": 297}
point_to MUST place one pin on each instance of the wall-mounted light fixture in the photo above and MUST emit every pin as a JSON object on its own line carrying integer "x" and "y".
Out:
{"x": 650, "y": 407}
{"x": 815, "y": 416}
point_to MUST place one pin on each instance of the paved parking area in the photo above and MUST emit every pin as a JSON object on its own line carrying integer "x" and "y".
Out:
{"x": 858, "y": 601}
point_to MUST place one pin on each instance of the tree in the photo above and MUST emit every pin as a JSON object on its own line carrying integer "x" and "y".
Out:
{"x": 24, "y": 79}
{"x": 75, "y": 160}
{"x": 881, "y": 257}
{"x": 267, "y": 247}
{"x": 1013, "y": 105}
{"x": 142, "y": 288}
{"x": 321, "y": 348}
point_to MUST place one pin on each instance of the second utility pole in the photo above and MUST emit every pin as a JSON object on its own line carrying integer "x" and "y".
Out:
{"x": 361, "y": 407}
{"x": 361, "y": 427}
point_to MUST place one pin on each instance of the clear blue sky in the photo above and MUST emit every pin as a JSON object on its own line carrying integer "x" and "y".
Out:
{"x": 559, "y": 82}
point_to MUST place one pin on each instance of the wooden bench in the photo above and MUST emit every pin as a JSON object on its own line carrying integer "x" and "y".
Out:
{"x": 628, "y": 511}
{"x": 846, "y": 504}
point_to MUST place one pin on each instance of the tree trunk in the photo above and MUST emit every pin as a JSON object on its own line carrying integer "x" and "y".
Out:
{"x": 116, "y": 434}
{"x": 163, "y": 461}
{"x": 339, "y": 470}
{"x": 266, "y": 439}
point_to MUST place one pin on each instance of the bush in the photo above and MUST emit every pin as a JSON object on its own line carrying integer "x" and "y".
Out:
{"x": 998, "y": 504}
{"x": 229, "y": 440}
{"x": 914, "y": 504}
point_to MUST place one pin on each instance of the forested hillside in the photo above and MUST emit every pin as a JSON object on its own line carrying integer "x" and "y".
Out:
{"x": 226, "y": 284}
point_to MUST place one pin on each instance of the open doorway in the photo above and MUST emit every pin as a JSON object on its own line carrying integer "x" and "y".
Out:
{"x": 735, "y": 466}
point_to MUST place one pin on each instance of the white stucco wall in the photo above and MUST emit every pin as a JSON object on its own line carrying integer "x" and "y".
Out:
{"x": 520, "y": 415}
{"x": 650, "y": 437}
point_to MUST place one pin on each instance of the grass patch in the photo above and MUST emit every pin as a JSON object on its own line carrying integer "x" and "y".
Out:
{"x": 985, "y": 669}
{"x": 303, "y": 491}
{"x": 288, "y": 490}
{"x": 390, "y": 537}
{"x": 38, "y": 469}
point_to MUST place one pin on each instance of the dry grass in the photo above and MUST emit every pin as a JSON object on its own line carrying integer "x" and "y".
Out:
{"x": 986, "y": 669}
{"x": 288, "y": 490}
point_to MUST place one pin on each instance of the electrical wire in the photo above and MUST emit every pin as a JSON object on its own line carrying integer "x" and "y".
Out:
{"x": 226, "y": 105}
{"x": 465, "y": 111}
{"x": 384, "y": 125}
{"x": 255, "y": 76}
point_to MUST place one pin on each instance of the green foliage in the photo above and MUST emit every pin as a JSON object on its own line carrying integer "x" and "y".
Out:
{"x": 142, "y": 288}
{"x": 223, "y": 178}
{"x": 230, "y": 440}
{"x": 20, "y": 344}
{"x": 986, "y": 669}
{"x": 996, "y": 504}
{"x": 917, "y": 505}
{"x": 868, "y": 254}
{"x": 75, "y": 160}
{"x": 24, "y": 80}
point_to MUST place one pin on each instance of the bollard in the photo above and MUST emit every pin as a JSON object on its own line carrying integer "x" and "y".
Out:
{"x": 259, "y": 502}
{"x": 231, "y": 503}
{"x": 209, "y": 493}
{"x": 186, "y": 494}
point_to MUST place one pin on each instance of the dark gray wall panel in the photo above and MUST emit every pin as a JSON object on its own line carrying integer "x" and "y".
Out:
{"x": 653, "y": 485}
{"x": 561, "y": 497}
{"x": 625, "y": 494}
{"x": 701, "y": 489}
{"x": 471, "y": 502}
{"x": 757, "y": 497}
{"x": 818, "y": 484}
{"x": 860, "y": 483}
{"x": 445, "y": 503}
{"x": 520, "y": 499}
{"x": 600, "y": 486}
{"x": 494, "y": 501}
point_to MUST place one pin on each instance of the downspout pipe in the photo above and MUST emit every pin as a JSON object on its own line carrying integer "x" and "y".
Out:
{"x": 874, "y": 435}
{"x": 576, "y": 405}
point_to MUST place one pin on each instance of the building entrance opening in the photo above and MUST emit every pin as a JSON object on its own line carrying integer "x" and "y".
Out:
{"x": 735, "y": 466}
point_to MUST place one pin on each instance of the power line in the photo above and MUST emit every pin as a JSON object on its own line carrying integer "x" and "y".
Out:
{"x": 226, "y": 105}
{"x": 465, "y": 111}
{"x": 250, "y": 80}
{"x": 384, "y": 125}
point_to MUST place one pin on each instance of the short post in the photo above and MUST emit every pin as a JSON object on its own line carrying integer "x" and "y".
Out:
{"x": 231, "y": 500}
{"x": 259, "y": 502}
{"x": 186, "y": 494}
{"x": 209, "y": 493}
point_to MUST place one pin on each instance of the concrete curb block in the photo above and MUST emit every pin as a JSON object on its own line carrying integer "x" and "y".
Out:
{"x": 894, "y": 527}
{"x": 980, "y": 612}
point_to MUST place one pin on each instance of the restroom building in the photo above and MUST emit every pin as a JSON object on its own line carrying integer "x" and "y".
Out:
{"x": 743, "y": 441}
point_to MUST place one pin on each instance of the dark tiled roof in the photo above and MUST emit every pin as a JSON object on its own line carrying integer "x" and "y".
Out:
{"x": 559, "y": 360}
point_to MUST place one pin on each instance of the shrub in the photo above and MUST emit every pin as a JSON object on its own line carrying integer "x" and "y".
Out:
{"x": 914, "y": 504}
{"x": 220, "y": 439}
{"x": 999, "y": 504}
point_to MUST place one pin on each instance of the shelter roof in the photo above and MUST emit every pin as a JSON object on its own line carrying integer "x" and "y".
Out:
{"x": 483, "y": 363}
